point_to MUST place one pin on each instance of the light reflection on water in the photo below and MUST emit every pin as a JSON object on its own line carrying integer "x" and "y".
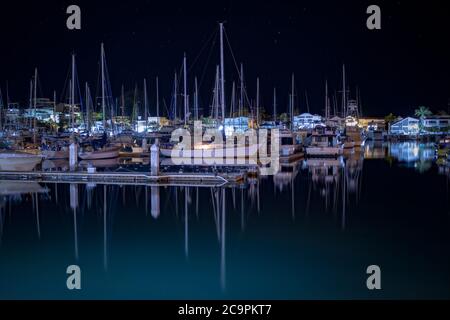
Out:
{"x": 307, "y": 232}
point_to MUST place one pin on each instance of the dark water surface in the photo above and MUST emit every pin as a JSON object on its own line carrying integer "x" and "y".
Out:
{"x": 308, "y": 233}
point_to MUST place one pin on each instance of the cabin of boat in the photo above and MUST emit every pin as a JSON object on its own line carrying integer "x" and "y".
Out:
{"x": 324, "y": 142}
{"x": 289, "y": 143}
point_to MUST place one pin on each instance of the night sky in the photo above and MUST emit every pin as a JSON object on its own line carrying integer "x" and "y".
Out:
{"x": 401, "y": 66}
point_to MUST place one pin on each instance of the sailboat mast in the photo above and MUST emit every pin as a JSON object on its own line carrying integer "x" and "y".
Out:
{"x": 222, "y": 75}
{"x": 30, "y": 104}
{"x": 343, "y": 92}
{"x": 145, "y": 103}
{"x": 54, "y": 100}
{"x": 327, "y": 106}
{"x": 257, "y": 101}
{"x": 292, "y": 102}
{"x": 196, "y": 100}
{"x": 34, "y": 105}
{"x": 241, "y": 97}
{"x": 157, "y": 97}
{"x": 233, "y": 98}
{"x": 102, "y": 57}
{"x": 274, "y": 104}
{"x": 88, "y": 127}
{"x": 216, "y": 95}
{"x": 185, "y": 91}
{"x": 122, "y": 107}
{"x": 175, "y": 93}
{"x": 72, "y": 96}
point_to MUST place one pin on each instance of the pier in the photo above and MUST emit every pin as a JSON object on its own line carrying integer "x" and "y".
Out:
{"x": 168, "y": 179}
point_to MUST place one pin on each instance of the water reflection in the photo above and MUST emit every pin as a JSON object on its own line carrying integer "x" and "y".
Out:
{"x": 330, "y": 184}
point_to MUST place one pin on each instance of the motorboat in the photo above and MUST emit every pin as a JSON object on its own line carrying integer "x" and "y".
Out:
{"x": 324, "y": 143}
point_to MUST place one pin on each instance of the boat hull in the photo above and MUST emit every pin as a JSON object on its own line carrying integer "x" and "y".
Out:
{"x": 211, "y": 153}
{"x": 16, "y": 162}
{"x": 100, "y": 154}
{"x": 323, "y": 151}
{"x": 51, "y": 154}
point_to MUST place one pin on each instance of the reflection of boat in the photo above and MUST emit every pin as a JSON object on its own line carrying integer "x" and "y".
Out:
{"x": 324, "y": 142}
{"x": 104, "y": 153}
{"x": 347, "y": 142}
{"x": 286, "y": 174}
{"x": 18, "y": 161}
{"x": 324, "y": 170}
{"x": 9, "y": 188}
{"x": 443, "y": 148}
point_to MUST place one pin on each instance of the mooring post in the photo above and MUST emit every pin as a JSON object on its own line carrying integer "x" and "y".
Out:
{"x": 154, "y": 158}
{"x": 144, "y": 145}
{"x": 73, "y": 155}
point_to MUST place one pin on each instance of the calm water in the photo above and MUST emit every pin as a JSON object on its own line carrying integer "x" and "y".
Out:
{"x": 308, "y": 232}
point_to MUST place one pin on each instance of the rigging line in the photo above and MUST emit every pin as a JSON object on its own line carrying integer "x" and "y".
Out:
{"x": 208, "y": 59}
{"x": 237, "y": 68}
{"x": 63, "y": 92}
{"x": 213, "y": 34}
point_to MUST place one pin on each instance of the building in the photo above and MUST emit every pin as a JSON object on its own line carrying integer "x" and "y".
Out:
{"x": 307, "y": 121}
{"x": 372, "y": 123}
{"x": 436, "y": 124}
{"x": 238, "y": 124}
{"x": 405, "y": 127}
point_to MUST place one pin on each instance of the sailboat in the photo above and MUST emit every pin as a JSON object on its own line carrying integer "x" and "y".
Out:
{"x": 210, "y": 149}
{"x": 105, "y": 152}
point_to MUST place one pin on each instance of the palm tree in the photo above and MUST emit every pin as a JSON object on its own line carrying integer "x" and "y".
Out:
{"x": 389, "y": 118}
{"x": 422, "y": 112}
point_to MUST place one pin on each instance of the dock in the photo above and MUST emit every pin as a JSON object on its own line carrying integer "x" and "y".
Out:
{"x": 163, "y": 179}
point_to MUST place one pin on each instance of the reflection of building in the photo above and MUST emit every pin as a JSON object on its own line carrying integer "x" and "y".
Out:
{"x": 405, "y": 127}
{"x": 374, "y": 150}
{"x": 324, "y": 171}
{"x": 412, "y": 151}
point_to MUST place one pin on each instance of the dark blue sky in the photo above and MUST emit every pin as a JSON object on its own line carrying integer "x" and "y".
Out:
{"x": 404, "y": 65}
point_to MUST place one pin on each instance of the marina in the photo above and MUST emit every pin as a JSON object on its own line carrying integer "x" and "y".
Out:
{"x": 223, "y": 151}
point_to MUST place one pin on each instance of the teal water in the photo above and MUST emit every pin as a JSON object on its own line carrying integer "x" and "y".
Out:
{"x": 307, "y": 233}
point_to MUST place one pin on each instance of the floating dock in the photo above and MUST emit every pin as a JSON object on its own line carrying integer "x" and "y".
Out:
{"x": 163, "y": 179}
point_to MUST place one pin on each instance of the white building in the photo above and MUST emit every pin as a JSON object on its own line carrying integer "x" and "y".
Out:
{"x": 307, "y": 121}
{"x": 436, "y": 123}
{"x": 405, "y": 127}
{"x": 238, "y": 124}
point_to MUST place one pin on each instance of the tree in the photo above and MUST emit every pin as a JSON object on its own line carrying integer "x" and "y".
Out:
{"x": 422, "y": 112}
{"x": 389, "y": 119}
{"x": 284, "y": 117}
